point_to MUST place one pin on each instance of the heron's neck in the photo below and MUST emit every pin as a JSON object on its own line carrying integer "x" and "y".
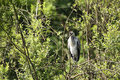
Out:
{"x": 72, "y": 40}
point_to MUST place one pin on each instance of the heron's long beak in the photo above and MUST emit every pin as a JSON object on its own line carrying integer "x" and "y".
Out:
{"x": 71, "y": 34}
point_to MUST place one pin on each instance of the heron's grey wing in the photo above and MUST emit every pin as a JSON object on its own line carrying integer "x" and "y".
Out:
{"x": 78, "y": 43}
{"x": 78, "y": 47}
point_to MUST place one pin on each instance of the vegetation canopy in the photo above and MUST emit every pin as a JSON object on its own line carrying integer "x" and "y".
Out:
{"x": 34, "y": 34}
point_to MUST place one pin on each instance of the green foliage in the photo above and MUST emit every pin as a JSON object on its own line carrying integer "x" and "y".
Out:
{"x": 34, "y": 33}
{"x": 3, "y": 71}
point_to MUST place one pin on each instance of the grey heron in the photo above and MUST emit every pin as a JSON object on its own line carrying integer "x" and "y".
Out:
{"x": 74, "y": 46}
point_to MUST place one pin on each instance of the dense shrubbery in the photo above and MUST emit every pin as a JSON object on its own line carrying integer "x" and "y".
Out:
{"x": 34, "y": 33}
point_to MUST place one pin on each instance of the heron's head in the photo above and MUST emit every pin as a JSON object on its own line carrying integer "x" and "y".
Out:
{"x": 71, "y": 33}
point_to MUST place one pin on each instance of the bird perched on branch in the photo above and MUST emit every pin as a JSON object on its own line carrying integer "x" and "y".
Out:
{"x": 74, "y": 46}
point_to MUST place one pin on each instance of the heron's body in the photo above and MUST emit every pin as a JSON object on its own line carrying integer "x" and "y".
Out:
{"x": 74, "y": 47}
